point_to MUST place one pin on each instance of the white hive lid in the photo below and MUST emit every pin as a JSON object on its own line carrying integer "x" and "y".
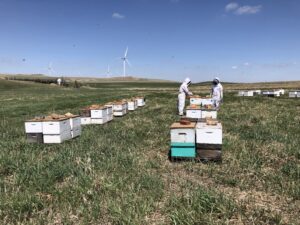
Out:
{"x": 202, "y": 125}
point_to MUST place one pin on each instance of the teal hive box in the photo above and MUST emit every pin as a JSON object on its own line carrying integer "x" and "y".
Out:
{"x": 183, "y": 144}
{"x": 183, "y": 152}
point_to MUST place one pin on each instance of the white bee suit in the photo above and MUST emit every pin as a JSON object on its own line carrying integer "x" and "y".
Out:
{"x": 217, "y": 94}
{"x": 183, "y": 91}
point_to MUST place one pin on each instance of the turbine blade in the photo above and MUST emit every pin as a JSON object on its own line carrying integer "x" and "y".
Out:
{"x": 128, "y": 62}
{"x": 125, "y": 55}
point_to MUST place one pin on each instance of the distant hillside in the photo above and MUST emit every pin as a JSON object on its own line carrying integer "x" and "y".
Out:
{"x": 82, "y": 79}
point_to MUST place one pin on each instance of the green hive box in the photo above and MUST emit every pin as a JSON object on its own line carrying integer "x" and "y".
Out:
{"x": 183, "y": 150}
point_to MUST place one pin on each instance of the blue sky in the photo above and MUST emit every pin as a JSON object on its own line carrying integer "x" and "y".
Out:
{"x": 245, "y": 40}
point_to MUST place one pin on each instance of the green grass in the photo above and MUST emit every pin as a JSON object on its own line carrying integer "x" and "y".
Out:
{"x": 119, "y": 173}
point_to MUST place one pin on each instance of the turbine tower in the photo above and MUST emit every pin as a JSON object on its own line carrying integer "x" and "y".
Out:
{"x": 125, "y": 60}
{"x": 108, "y": 72}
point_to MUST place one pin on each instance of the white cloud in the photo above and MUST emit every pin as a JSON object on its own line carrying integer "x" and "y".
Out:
{"x": 234, "y": 67}
{"x": 231, "y": 6}
{"x": 246, "y": 64}
{"x": 116, "y": 15}
{"x": 242, "y": 10}
{"x": 247, "y": 9}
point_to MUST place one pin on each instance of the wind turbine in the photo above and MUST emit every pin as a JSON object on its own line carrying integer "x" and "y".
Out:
{"x": 108, "y": 72}
{"x": 50, "y": 69}
{"x": 125, "y": 60}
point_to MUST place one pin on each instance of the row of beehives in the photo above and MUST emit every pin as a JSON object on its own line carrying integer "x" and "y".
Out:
{"x": 100, "y": 114}
{"x": 58, "y": 128}
{"x": 197, "y": 140}
{"x": 269, "y": 93}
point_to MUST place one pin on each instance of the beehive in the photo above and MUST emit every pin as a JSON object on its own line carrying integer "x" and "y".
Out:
{"x": 193, "y": 111}
{"x": 294, "y": 94}
{"x": 271, "y": 93}
{"x": 140, "y": 101}
{"x": 209, "y": 136}
{"x": 183, "y": 140}
{"x": 132, "y": 104}
{"x": 119, "y": 108}
{"x": 34, "y": 130}
{"x": 207, "y": 101}
{"x": 56, "y": 130}
{"x": 209, "y": 140}
{"x": 99, "y": 113}
{"x": 248, "y": 93}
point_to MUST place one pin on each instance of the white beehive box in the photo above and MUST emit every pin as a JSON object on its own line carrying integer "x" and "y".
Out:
{"x": 57, "y": 126}
{"x": 140, "y": 101}
{"x": 208, "y": 134}
{"x": 99, "y": 113}
{"x": 85, "y": 120}
{"x": 195, "y": 100}
{"x": 208, "y": 113}
{"x": 183, "y": 133}
{"x": 119, "y": 106}
{"x": 99, "y": 120}
{"x": 132, "y": 105}
{"x": 193, "y": 112}
{"x": 298, "y": 94}
{"x": 271, "y": 93}
{"x": 293, "y": 94}
{"x": 207, "y": 101}
{"x": 248, "y": 93}
{"x": 57, "y": 138}
{"x": 32, "y": 126}
{"x": 241, "y": 93}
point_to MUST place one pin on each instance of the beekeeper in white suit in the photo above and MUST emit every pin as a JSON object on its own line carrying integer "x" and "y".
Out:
{"x": 217, "y": 92}
{"x": 183, "y": 91}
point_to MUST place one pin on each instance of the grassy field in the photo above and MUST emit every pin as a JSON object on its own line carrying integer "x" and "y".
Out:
{"x": 119, "y": 173}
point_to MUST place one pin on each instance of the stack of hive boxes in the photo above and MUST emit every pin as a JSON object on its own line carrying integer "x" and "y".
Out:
{"x": 53, "y": 129}
{"x": 209, "y": 140}
{"x": 96, "y": 114}
{"x": 120, "y": 108}
{"x": 140, "y": 101}
{"x": 294, "y": 94}
{"x": 34, "y": 130}
{"x": 99, "y": 114}
{"x": 56, "y": 130}
{"x": 201, "y": 140}
{"x": 201, "y": 108}
{"x": 132, "y": 104}
{"x": 183, "y": 140}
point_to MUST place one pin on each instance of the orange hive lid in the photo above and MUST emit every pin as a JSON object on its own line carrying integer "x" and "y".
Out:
{"x": 193, "y": 107}
{"x": 178, "y": 125}
{"x": 70, "y": 115}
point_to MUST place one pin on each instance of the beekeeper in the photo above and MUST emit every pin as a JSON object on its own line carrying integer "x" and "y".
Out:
{"x": 183, "y": 91}
{"x": 59, "y": 81}
{"x": 217, "y": 92}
